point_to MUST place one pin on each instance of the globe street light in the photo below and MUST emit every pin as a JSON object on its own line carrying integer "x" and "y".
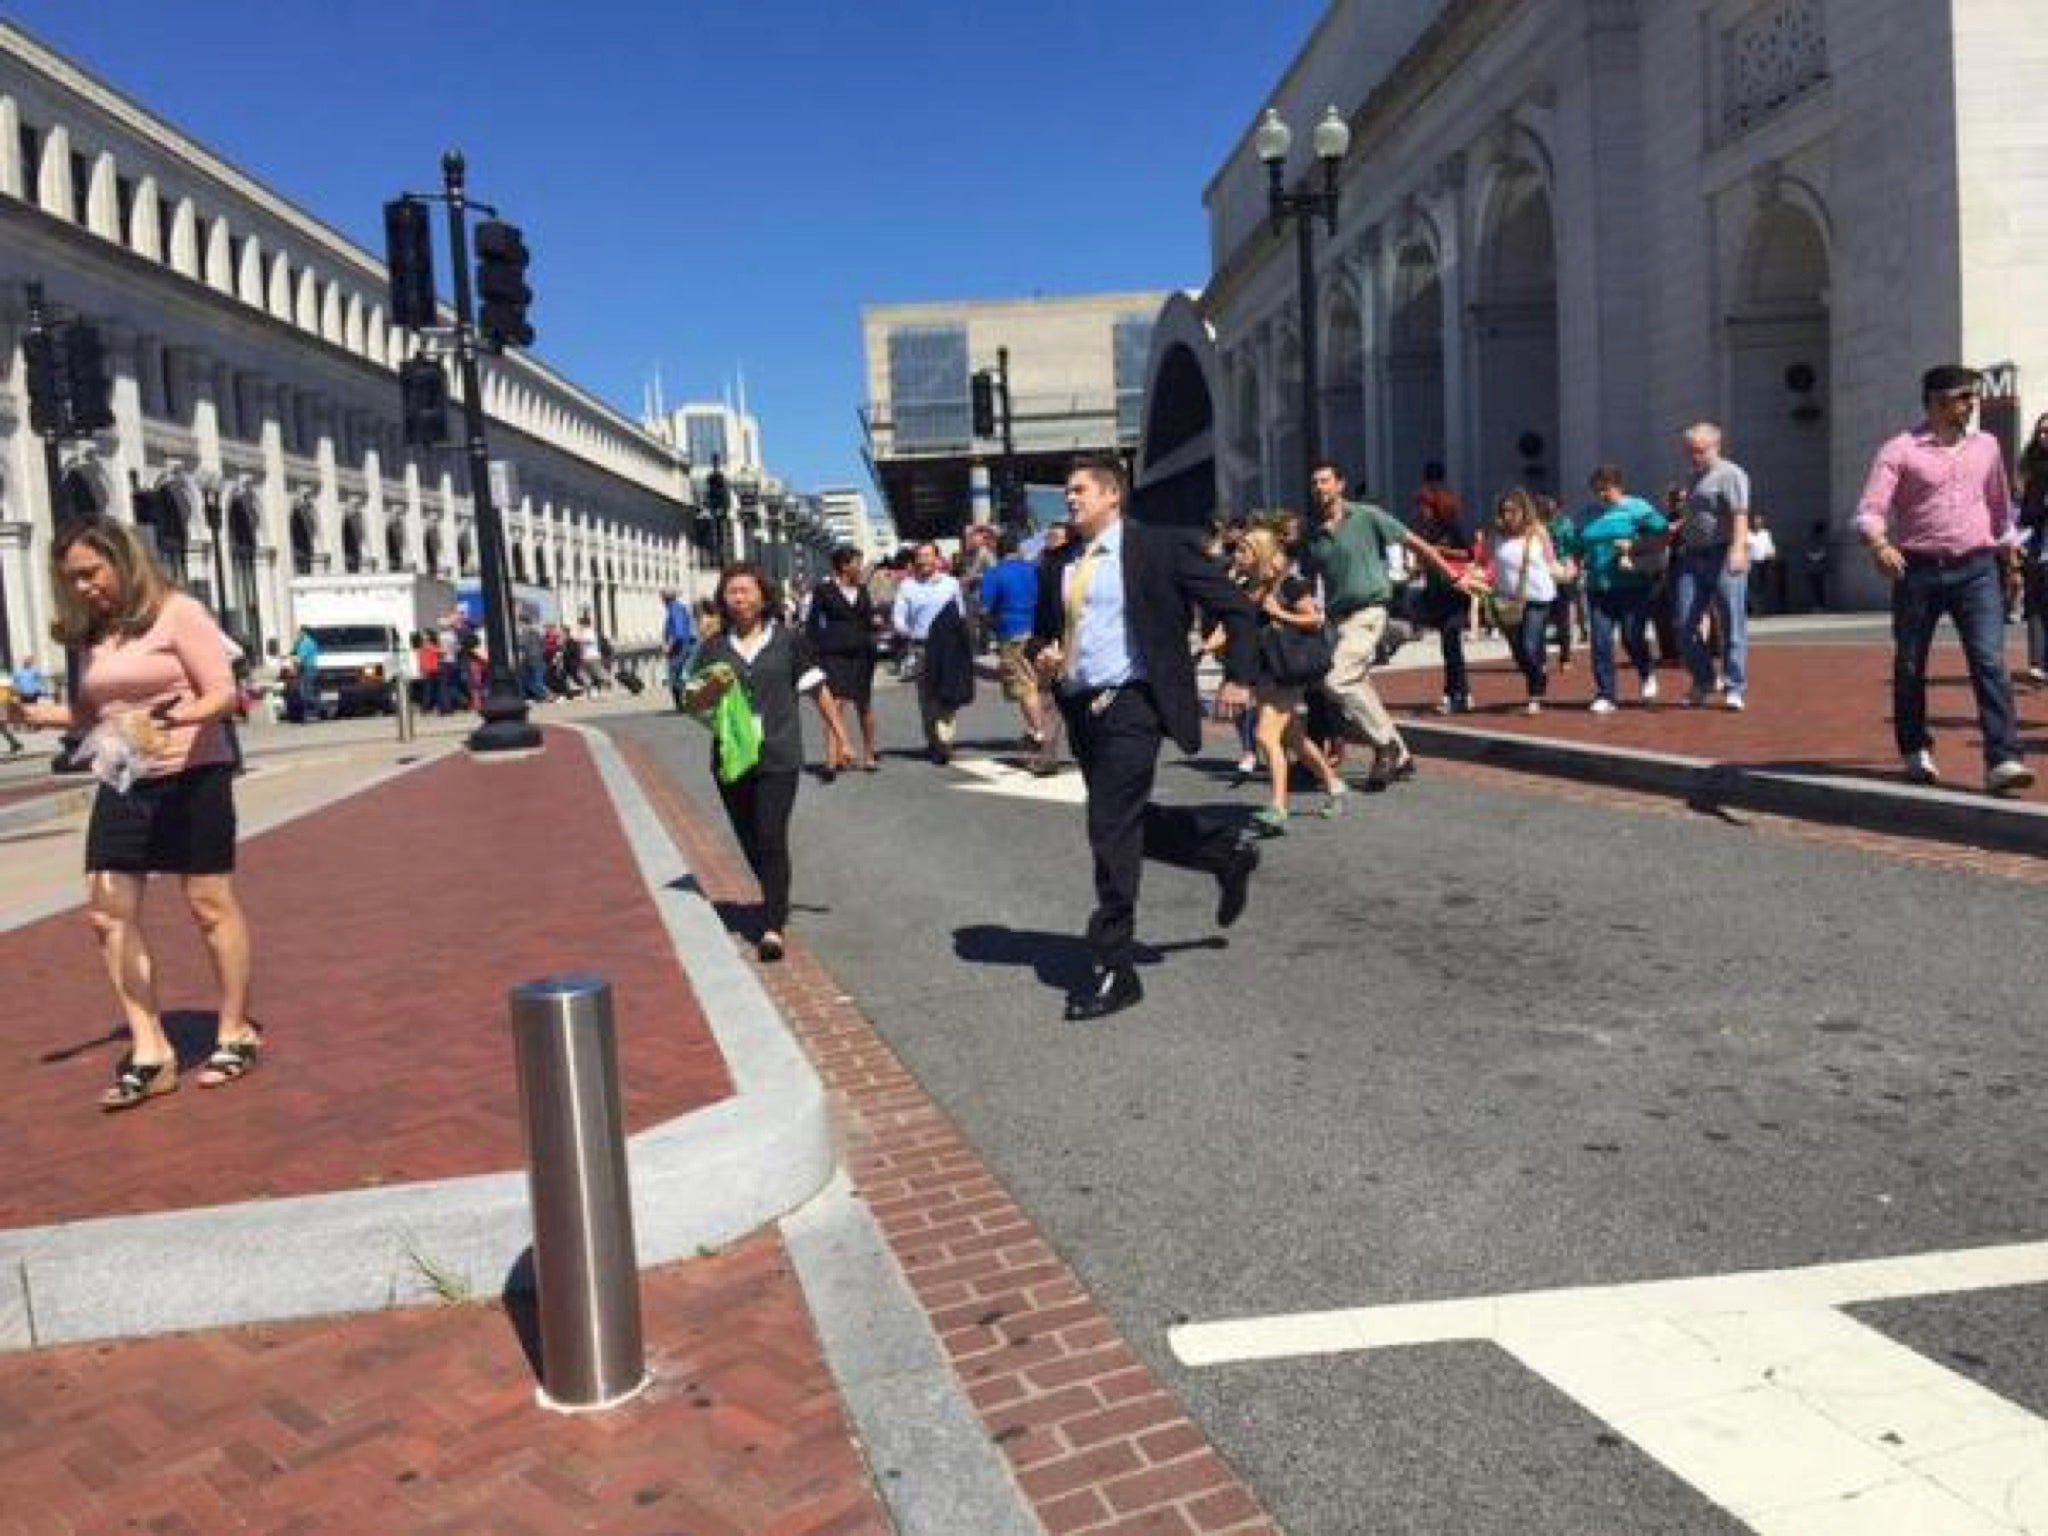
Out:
{"x": 1332, "y": 141}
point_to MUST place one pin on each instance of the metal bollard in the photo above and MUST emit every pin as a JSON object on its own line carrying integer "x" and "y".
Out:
{"x": 586, "y": 1273}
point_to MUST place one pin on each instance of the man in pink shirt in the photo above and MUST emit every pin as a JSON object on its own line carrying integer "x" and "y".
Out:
{"x": 1937, "y": 516}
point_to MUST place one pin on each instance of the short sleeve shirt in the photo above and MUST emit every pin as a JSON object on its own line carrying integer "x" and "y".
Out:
{"x": 1712, "y": 498}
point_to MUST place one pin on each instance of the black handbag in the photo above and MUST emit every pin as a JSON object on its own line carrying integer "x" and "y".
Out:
{"x": 1295, "y": 658}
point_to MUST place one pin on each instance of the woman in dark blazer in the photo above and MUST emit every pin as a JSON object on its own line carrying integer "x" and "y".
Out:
{"x": 774, "y": 664}
{"x": 842, "y": 633}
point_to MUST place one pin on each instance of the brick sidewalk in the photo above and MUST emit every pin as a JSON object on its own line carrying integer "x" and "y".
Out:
{"x": 387, "y": 929}
{"x": 423, "y": 1421}
{"x": 1823, "y": 707}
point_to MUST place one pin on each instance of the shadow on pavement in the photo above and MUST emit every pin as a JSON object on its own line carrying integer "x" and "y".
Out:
{"x": 1061, "y": 961}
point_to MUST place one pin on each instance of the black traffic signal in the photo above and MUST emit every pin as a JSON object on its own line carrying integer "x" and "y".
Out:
{"x": 717, "y": 494}
{"x": 70, "y": 385}
{"x": 423, "y": 399}
{"x": 984, "y": 404}
{"x": 49, "y": 387}
{"x": 409, "y": 257}
{"x": 92, "y": 380}
{"x": 501, "y": 258}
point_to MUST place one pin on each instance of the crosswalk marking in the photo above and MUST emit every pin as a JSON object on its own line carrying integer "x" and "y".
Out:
{"x": 994, "y": 777}
{"x": 1753, "y": 1387}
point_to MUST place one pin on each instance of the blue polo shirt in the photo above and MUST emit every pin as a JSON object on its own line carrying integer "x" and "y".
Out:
{"x": 1009, "y": 596}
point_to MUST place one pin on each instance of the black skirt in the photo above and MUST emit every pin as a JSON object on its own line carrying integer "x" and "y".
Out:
{"x": 181, "y": 824}
{"x": 851, "y": 678}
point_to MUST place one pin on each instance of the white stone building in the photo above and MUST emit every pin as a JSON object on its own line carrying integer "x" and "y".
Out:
{"x": 256, "y": 400}
{"x": 1570, "y": 227}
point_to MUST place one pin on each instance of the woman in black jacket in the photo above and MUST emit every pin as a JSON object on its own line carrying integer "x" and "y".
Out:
{"x": 774, "y": 664}
{"x": 842, "y": 633}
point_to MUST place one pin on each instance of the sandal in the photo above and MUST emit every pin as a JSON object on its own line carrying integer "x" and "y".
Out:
{"x": 231, "y": 1059}
{"x": 134, "y": 1082}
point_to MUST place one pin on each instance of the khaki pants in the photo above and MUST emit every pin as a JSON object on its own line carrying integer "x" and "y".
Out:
{"x": 937, "y": 719}
{"x": 1350, "y": 682}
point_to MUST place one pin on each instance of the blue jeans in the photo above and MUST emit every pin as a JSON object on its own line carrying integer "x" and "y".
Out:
{"x": 1525, "y": 640}
{"x": 1704, "y": 581}
{"x": 1969, "y": 591}
{"x": 1626, "y": 609}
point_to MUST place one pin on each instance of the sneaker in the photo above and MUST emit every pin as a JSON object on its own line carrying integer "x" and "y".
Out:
{"x": 2036, "y": 674}
{"x": 1695, "y": 697}
{"x": 1333, "y": 800}
{"x": 1533, "y": 707}
{"x": 1269, "y": 821}
{"x": 1734, "y": 701}
{"x": 1602, "y": 706}
{"x": 1650, "y": 689}
{"x": 1920, "y": 768}
{"x": 1246, "y": 767}
{"x": 2009, "y": 777}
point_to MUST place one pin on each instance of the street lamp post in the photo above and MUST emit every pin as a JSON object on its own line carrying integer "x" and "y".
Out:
{"x": 1332, "y": 141}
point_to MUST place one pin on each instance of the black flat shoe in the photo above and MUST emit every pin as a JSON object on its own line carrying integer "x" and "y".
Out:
{"x": 770, "y": 948}
{"x": 1112, "y": 991}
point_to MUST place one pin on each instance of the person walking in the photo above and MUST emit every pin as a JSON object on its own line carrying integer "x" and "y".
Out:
{"x": 1711, "y": 567}
{"x": 1561, "y": 532}
{"x": 1525, "y": 586}
{"x": 1937, "y": 516}
{"x": 2033, "y": 488}
{"x": 678, "y": 642}
{"x": 306, "y": 681}
{"x": 1286, "y": 604}
{"x": 1112, "y": 630}
{"x": 929, "y": 592}
{"x": 1623, "y": 540}
{"x": 774, "y": 665}
{"x": 1348, "y": 553}
{"x": 841, "y": 626}
{"x": 1009, "y": 605}
{"x": 1444, "y": 604}
{"x": 155, "y": 690}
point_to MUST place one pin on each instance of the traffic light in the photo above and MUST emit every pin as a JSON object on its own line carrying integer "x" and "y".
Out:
{"x": 409, "y": 258}
{"x": 92, "y": 381}
{"x": 49, "y": 390}
{"x": 501, "y": 259}
{"x": 423, "y": 400}
{"x": 984, "y": 404}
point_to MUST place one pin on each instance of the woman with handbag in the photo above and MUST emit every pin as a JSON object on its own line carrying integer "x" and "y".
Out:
{"x": 1525, "y": 577}
{"x": 1294, "y": 653}
{"x": 773, "y": 666}
{"x": 1626, "y": 552}
{"x": 842, "y": 630}
{"x": 155, "y": 692}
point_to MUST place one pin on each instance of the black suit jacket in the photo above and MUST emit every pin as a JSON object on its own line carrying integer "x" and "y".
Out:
{"x": 1166, "y": 578}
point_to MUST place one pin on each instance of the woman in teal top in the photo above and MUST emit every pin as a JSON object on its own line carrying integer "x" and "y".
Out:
{"x": 1621, "y": 545}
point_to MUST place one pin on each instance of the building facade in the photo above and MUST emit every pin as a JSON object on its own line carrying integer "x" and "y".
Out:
{"x": 257, "y": 426}
{"x": 1076, "y": 385}
{"x": 1571, "y": 227}
{"x": 850, "y": 521}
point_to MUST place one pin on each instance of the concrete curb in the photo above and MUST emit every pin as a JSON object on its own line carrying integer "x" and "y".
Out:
{"x": 1903, "y": 810}
{"x": 37, "y": 809}
{"x": 699, "y": 1181}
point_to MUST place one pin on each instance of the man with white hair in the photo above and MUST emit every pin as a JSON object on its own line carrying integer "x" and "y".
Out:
{"x": 1712, "y": 568}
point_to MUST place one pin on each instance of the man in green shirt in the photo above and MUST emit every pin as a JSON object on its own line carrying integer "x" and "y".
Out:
{"x": 1348, "y": 551}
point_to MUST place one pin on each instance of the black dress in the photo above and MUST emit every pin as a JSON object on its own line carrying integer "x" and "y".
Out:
{"x": 842, "y": 634}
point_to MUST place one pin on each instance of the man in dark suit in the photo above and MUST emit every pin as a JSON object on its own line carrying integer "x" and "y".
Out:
{"x": 1112, "y": 631}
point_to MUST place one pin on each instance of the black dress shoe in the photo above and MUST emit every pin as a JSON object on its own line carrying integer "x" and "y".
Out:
{"x": 1234, "y": 884}
{"x": 1111, "y": 991}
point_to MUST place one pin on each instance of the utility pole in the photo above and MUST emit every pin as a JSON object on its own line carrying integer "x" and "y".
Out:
{"x": 1012, "y": 513}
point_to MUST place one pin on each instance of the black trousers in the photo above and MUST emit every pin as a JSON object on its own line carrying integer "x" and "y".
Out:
{"x": 759, "y": 807}
{"x": 1117, "y": 747}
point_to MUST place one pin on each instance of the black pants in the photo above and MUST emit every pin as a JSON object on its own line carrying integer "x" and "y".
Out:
{"x": 759, "y": 807}
{"x": 1117, "y": 747}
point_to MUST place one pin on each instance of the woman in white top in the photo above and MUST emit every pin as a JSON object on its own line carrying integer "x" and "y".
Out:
{"x": 1525, "y": 575}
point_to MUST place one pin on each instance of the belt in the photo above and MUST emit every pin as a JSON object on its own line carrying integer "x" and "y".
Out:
{"x": 1928, "y": 560}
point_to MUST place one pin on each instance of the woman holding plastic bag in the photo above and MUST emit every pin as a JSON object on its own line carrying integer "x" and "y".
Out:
{"x": 746, "y": 683}
{"x": 155, "y": 692}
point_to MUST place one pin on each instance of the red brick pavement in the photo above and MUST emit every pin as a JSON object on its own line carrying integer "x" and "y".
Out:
{"x": 1097, "y": 1443}
{"x": 387, "y": 929}
{"x": 1816, "y": 706}
{"x": 423, "y": 1421}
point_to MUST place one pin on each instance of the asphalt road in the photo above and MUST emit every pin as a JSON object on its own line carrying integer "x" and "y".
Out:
{"x": 1469, "y": 1040}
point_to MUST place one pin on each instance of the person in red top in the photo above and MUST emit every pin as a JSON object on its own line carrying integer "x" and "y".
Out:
{"x": 1937, "y": 515}
{"x": 155, "y": 692}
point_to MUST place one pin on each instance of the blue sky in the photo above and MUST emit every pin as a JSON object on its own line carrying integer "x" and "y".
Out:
{"x": 711, "y": 184}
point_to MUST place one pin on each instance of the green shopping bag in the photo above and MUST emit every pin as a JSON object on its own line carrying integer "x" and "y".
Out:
{"x": 734, "y": 725}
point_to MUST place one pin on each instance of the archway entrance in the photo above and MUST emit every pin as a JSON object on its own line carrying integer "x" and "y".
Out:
{"x": 1514, "y": 326}
{"x": 161, "y": 516}
{"x": 242, "y": 612}
{"x": 352, "y": 543}
{"x": 1178, "y": 483}
{"x": 304, "y": 541}
{"x": 79, "y": 496}
{"x": 1781, "y": 410}
{"x": 1343, "y": 389}
{"x": 1415, "y": 373}
{"x": 394, "y": 545}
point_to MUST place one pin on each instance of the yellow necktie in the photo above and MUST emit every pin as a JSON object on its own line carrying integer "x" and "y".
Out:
{"x": 1077, "y": 605}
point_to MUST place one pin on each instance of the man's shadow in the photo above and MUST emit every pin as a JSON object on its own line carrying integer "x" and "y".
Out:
{"x": 1061, "y": 961}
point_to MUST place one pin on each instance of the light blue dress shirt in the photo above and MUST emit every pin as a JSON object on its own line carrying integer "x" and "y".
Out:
{"x": 1104, "y": 656}
{"x": 919, "y": 602}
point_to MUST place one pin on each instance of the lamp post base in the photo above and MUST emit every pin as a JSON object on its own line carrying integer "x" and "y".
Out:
{"x": 506, "y": 727}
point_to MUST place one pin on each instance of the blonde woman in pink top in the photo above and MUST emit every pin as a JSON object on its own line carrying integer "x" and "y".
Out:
{"x": 156, "y": 689}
